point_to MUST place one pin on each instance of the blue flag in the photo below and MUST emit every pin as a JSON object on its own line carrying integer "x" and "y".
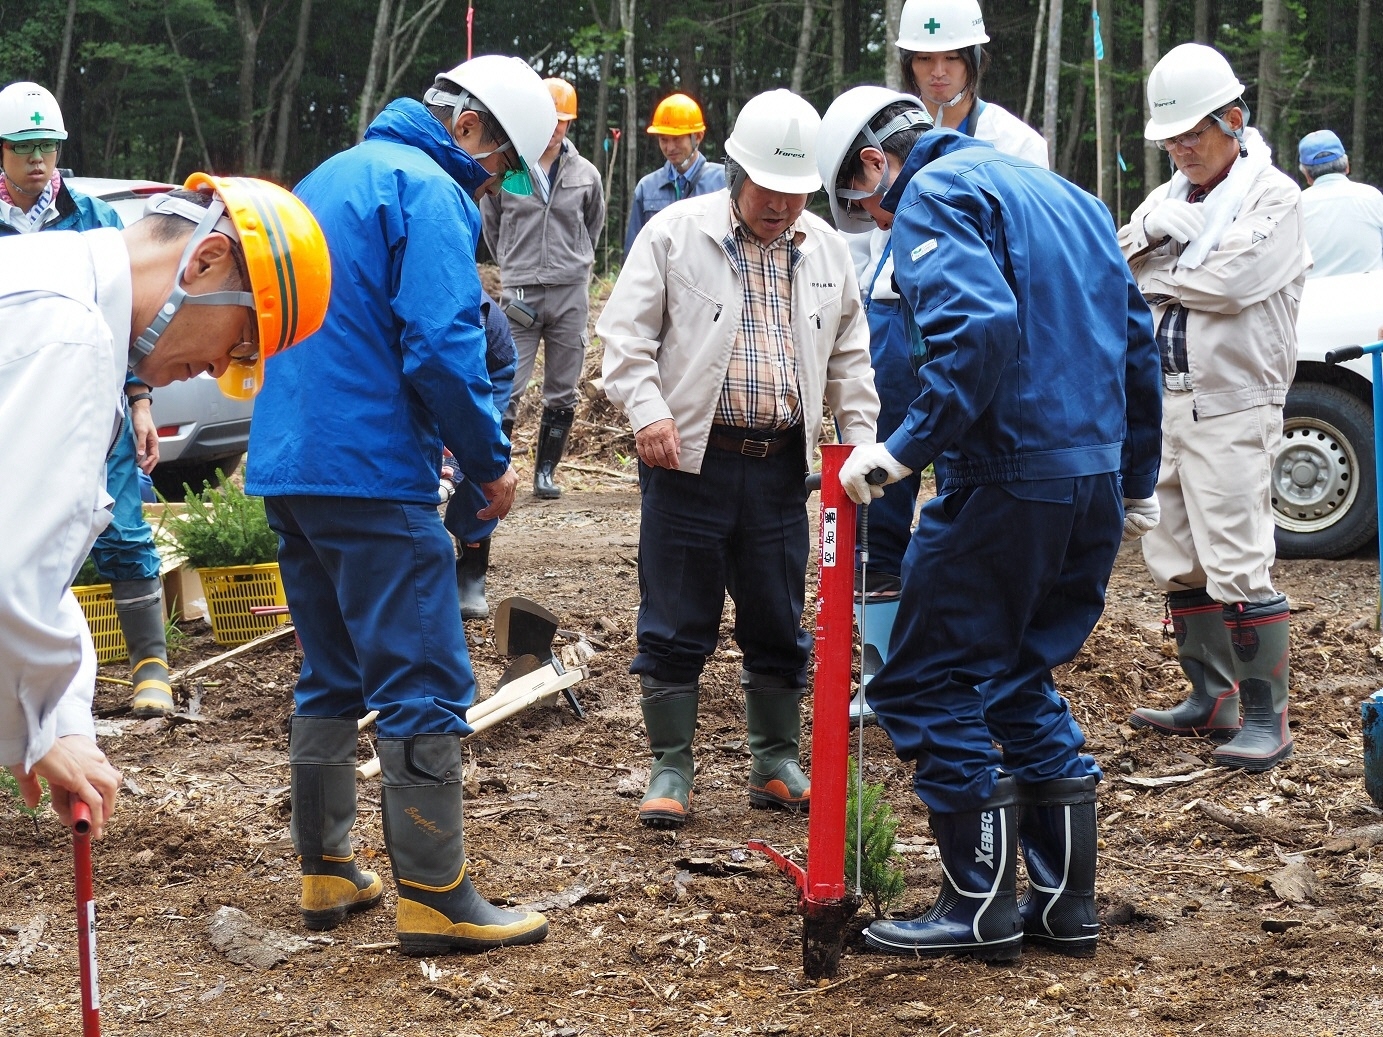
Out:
{"x": 1099, "y": 39}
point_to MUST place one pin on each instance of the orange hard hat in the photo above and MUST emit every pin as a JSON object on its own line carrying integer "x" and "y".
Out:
{"x": 675, "y": 115}
{"x": 563, "y": 96}
{"x": 288, "y": 264}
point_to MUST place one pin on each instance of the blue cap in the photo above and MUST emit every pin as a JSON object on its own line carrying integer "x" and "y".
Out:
{"x": 1320, "y": 147}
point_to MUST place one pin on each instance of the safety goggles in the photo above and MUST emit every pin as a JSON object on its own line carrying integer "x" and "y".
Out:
{"x": 28, "y": 147}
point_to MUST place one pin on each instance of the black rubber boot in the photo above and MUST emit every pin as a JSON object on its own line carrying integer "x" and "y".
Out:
{"x": 976, "y": 911}
{"x": 1259, "y": 633}
{"x": 1056, "y": 826}
{"x": 472, "y": 563}
{"x": 439, "y": 910}
{"x": 1212, "y": 709}
{"x": 321, "y": 751}
{"x": 506, "y": 425}
{"x": 669, "y": 715}
{"x": 773, "y": 717}
{"x": 552, "y": 443}
{"x": 139, "y": 607}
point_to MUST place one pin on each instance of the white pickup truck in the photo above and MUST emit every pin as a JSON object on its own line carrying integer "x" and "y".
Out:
{"x": 1324, "y": 500}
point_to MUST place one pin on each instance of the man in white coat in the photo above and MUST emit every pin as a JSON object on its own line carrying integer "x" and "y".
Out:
{"x": 735, "y": 315}
{"x": 192, "y": 288}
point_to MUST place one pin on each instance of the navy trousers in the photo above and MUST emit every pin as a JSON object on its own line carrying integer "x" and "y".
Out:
{"x": 890, "y": 516}
{"x": 372, "y": 588}
{"x": 1000, "y": 583}
{"x": 738, "y": 526}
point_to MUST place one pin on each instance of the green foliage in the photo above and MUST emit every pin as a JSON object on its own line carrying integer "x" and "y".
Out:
{"x": 224, "y": 526}
{"x": 881, "y": 871}
{"x": 87, "y": 576}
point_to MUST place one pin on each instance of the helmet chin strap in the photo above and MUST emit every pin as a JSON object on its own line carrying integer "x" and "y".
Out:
{"x": 209, "y": 222}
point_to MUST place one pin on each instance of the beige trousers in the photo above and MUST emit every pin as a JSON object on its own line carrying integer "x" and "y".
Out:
{"x": 1215, "y": 491}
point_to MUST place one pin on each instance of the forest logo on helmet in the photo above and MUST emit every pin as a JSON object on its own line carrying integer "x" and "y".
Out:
{"x": 792, "y": 142}
{"x": 1165, "y": 102}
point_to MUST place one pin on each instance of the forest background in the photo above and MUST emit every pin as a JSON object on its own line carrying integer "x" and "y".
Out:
{"x": 273, "y": 87}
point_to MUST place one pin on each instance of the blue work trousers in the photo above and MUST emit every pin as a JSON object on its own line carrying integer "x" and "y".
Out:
{"x": 890, "y": 350}
{"x": 125, "y": 549}
{"x": 372, "y": 588}
{"x": 738, "y": 526}
{"x": 1001, "y": 583}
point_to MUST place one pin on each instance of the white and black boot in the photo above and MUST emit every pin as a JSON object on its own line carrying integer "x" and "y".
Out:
{"x": 472, "y": 564}
{"x": 552, "y": 443}
{"x": 1056, "y": 826}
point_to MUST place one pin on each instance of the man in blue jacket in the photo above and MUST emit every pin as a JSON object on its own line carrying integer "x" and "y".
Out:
{"x": 34, "y": 197}
{"x": 396, "y": 372}
{"x": 1039, "y": 405}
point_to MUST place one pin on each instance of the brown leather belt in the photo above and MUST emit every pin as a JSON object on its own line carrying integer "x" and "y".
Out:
{"x": 752, "y": 442}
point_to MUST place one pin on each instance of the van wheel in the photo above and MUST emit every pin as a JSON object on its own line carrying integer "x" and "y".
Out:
{"x": 1323, "y": 474}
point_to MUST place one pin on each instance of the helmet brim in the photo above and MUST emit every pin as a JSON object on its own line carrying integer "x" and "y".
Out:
{"x": 36, "y": 135}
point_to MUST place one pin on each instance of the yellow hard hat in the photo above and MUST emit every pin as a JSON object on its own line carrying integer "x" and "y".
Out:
{"x": 288, "y": 263}
{"x": 677, "y": 114}
{"x": 563, "y": 96}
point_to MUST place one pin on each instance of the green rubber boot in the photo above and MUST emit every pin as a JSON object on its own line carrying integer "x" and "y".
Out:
{"x": 774, "y": 718}
{"x": 669, "y": 715}
{"x": 1259, "y": 633}
{"x": 139, "y": 607}
{"x": 1203, "y": 648}
{"x": 439, "y": 910}
{"x": 321, "y": 751}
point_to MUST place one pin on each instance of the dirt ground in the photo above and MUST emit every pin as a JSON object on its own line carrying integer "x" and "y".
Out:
{"x": 1232, "y": 904}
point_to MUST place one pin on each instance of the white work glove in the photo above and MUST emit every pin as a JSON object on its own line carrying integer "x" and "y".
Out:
{"x": 445, "y": 489}
{"x": 863, "y": 460}
{"x": 1140, "y": 517}
{"x": 1175, "y": 219}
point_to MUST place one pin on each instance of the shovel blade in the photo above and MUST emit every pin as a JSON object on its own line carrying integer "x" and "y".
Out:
{"x": 523, "y": 627}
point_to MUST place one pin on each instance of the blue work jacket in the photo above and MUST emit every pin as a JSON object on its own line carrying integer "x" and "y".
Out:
{"x": 362, "y": 407}
{"x": 77, "y": 211}
{"x": 1033, "y": 347}
{"x": 659, "y": 189}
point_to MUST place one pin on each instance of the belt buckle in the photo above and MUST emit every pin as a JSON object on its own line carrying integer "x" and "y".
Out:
{"x": 755, "y": 447}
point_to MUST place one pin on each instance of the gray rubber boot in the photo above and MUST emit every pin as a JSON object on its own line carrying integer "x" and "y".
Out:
{"x": 472, "y": 563}
{"x": 439, "y": 910}
{"x": 552, "y": 443}
{"x": 669, "y": 716}
{"x": 772, "y": 710}
{"x": 1259, "y": 633}
{"x": 139, "y": 607}
{"x": 1203, "y": 648}
{"x": 976, "y": 909}
{"x": 321, "y": 751}
{"x": 1056, "y": 825}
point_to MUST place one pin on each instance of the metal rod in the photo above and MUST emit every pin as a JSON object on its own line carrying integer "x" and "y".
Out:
{"x": 86, "y": 920}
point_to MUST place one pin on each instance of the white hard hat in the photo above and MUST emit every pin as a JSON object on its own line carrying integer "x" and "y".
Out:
{"x": 1189, "y": 83}
{"x": 844, "y": 131}
{"x": 29, "y": 112}
{"x": 935, "y": 26}
{"x": 774, "y": 139}
{"x": 512, "y": 92}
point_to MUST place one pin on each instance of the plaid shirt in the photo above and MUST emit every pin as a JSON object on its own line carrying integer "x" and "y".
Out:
{"x": 760, "y": 390}
{"x": 1171, "y": 332}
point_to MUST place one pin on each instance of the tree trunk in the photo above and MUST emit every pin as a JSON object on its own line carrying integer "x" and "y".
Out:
{"x": 804, "y": 47}
{"x": 1071, "y": 146}
{"x": 1036, "y": 57}
{"x": 837, "y": 47}
{"x": 249, "y": 47}
{"x": 854, "y": 46}
{"x": 631, "y": 102}
{"x": 187, "y": 93}
{"x": 1202, "y": 31}
{"x": 65, "y": 58}
{"x": 893, "y": 72}
{"x": 1358, "y": 148}
{"x": 602, "y": 96}
{"x": 1104, "y": 115}
{"x": 296, "y": 61}
{"x": 404, "y": 40}
{"x": 1269, "y": 68}
{"x": 1152, "y": 33}
{"x": 372, "y": 69}
{"x": 1051, "y": 93}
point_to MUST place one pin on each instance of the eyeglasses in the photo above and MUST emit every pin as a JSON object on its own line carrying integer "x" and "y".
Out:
{"x": 28, "y": 147}
{"x": 1187, "y": 140}
{"x": 246, "y": 351}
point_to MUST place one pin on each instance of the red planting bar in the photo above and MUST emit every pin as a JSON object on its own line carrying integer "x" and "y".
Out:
{"x": 86, "y": 920}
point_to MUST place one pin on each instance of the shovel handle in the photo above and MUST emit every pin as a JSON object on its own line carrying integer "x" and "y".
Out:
{"x": 876, "y": 477}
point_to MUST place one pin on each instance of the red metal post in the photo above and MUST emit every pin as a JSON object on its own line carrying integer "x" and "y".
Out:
{"x": 835, "y": 617}
{"x": 86, "y": 920}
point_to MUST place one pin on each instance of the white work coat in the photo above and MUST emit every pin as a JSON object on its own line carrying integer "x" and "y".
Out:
{"x": 669, "y": 328}
{"x": 65, "y": 313}
{"x": 1344, "y": 225}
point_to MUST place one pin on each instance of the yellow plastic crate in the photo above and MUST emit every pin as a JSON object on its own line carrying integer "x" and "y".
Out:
{"x": 98, "y": 605}
{"x": 231, "y": 591}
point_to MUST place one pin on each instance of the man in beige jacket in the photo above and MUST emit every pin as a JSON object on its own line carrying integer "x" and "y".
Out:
{"x": 1220, "y": 252}
{"x": 735, "y": 314}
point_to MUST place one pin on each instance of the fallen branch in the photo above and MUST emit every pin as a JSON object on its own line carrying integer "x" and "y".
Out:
{"x": 1246, "y": 824}
{"x": 597, "y": 470}
{"x": 818, "y": 990}
{"x": 1355, "y": 839}
{"x": 278, "y": 634}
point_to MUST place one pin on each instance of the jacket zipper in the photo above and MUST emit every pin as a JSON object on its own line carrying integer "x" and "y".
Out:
{"x": 719, "y": 306}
